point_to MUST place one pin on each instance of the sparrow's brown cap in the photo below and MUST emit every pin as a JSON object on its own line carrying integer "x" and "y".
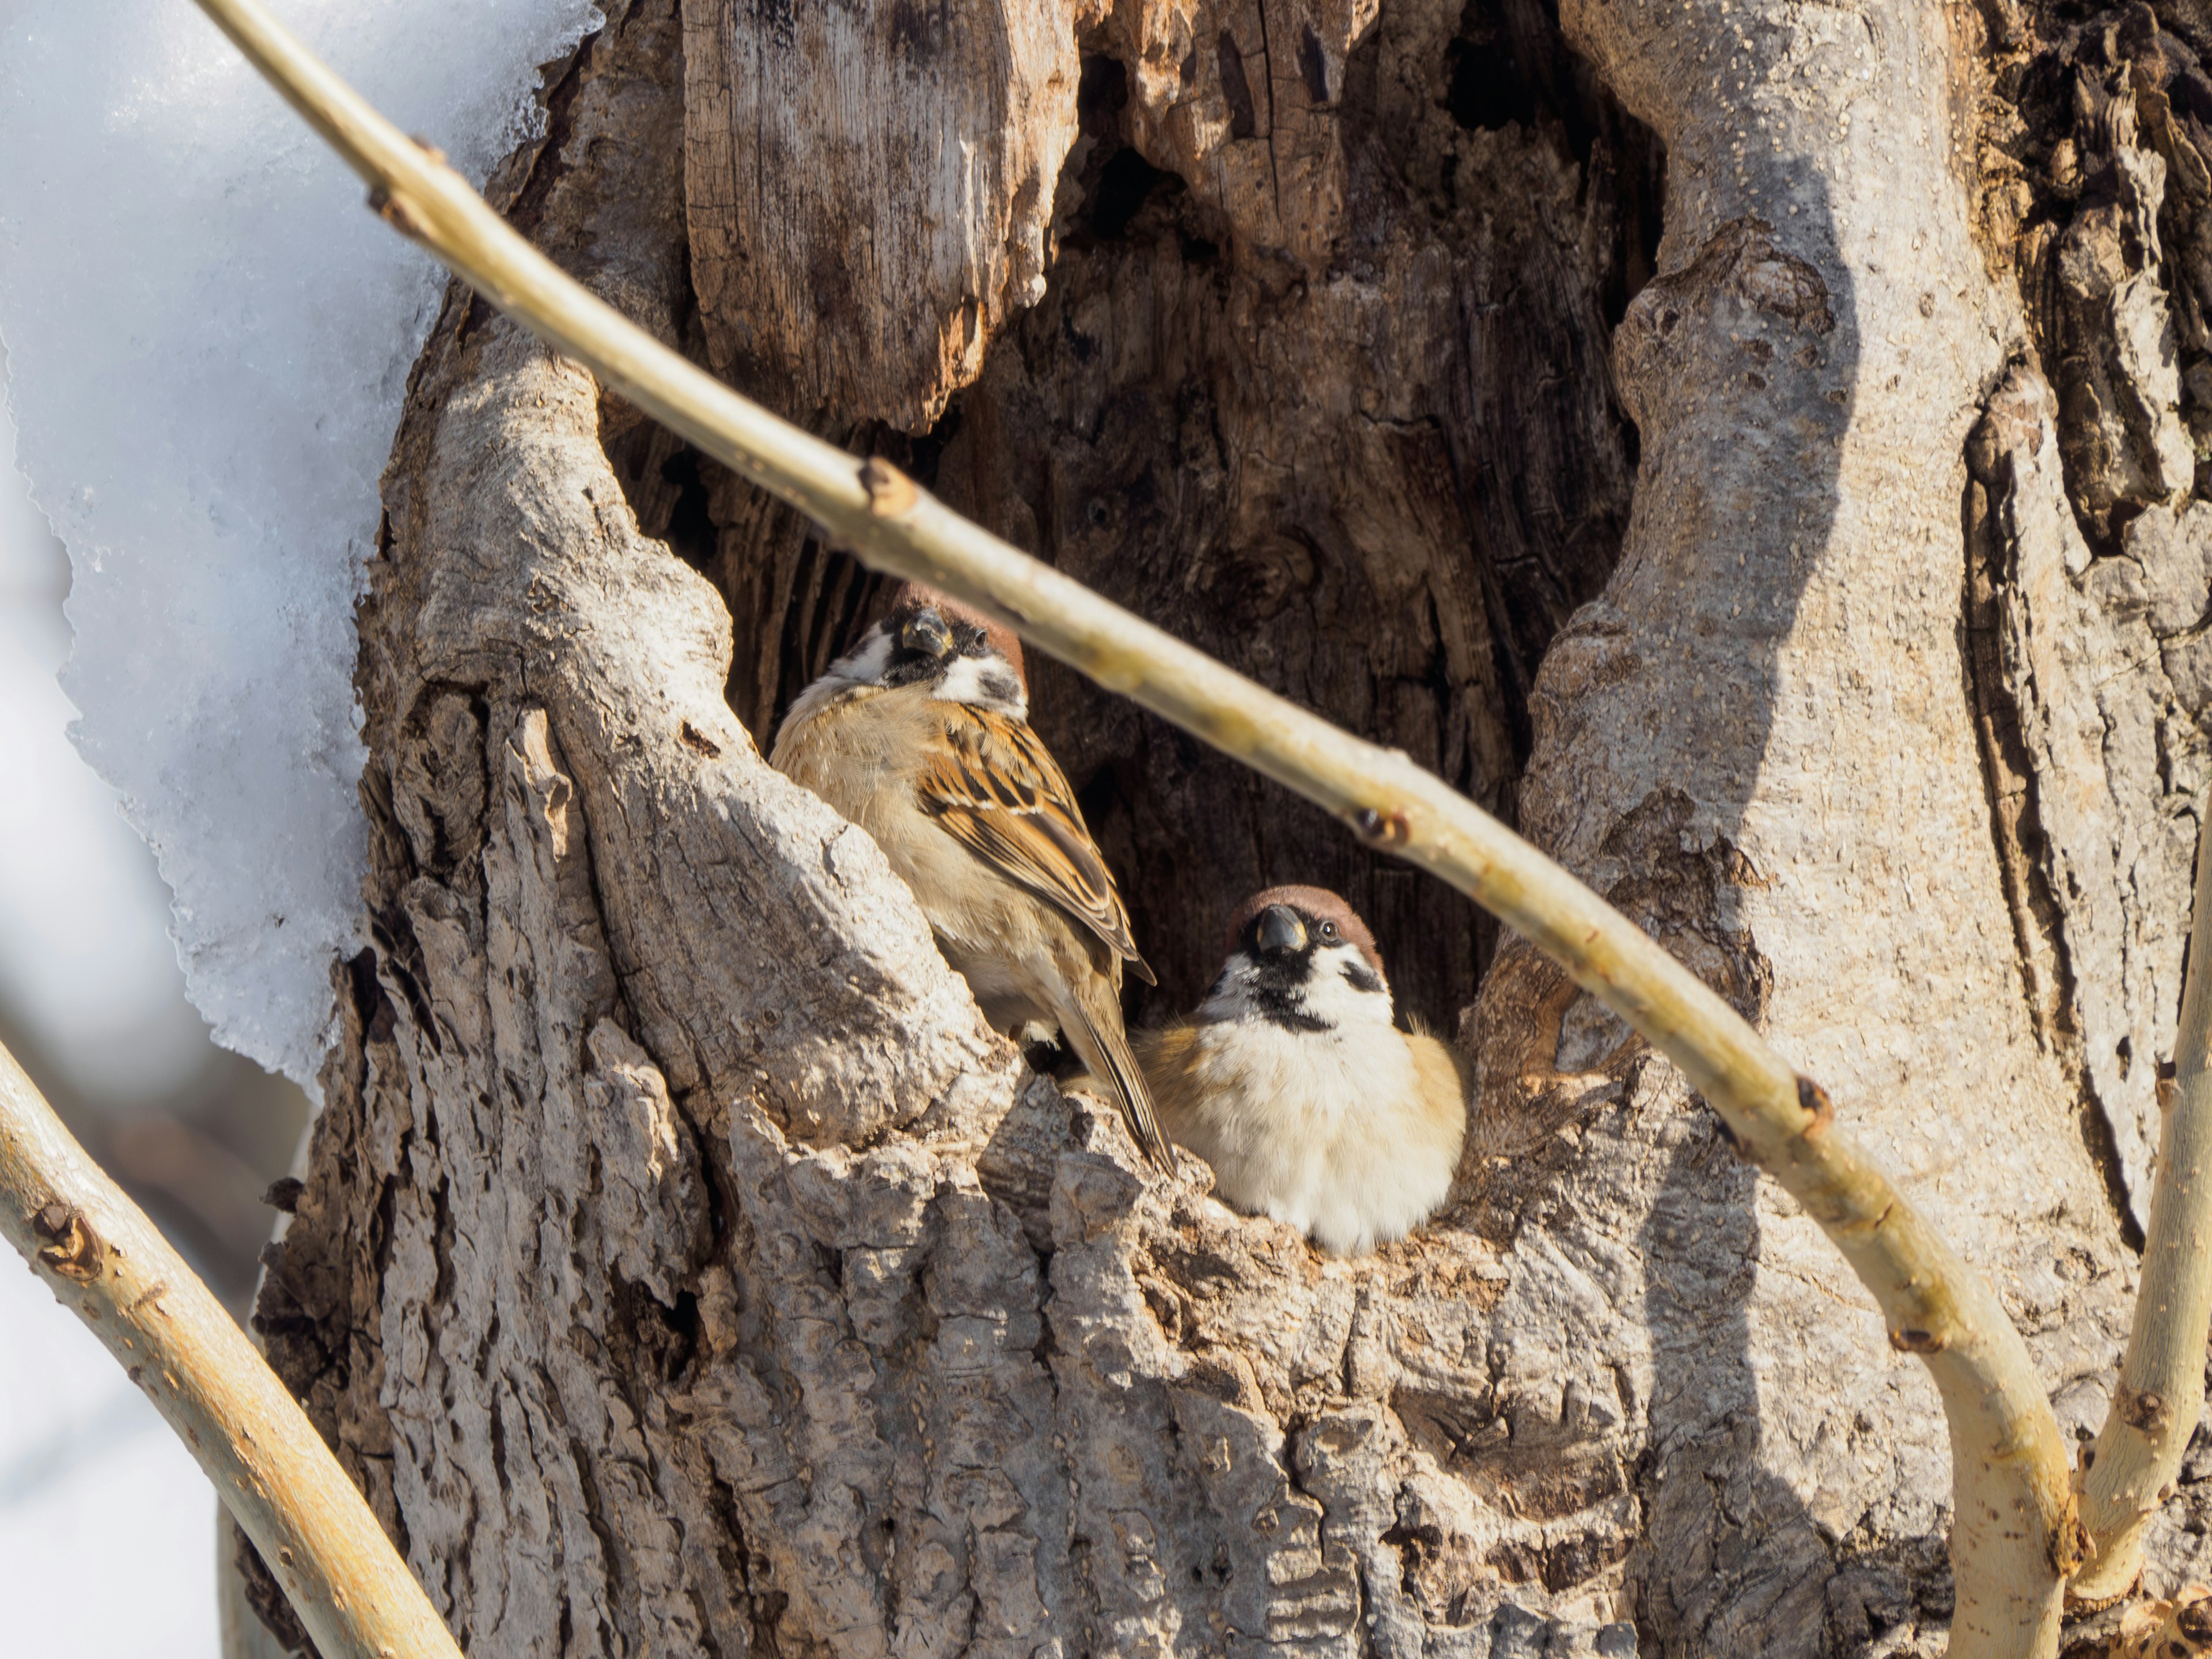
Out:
{"x": 909, "y": 597}
{"x": 1318, "y": 904}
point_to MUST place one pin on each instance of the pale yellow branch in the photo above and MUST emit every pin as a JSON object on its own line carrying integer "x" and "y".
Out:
{"x": 112, "y": 1267}
{"x": 2161, "y": 1389}
{"x": 2015, "y": 1532}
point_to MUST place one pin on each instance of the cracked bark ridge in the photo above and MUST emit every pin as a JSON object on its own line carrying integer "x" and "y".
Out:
{"x": 2088, "y": 629}
{"x": 2104, "y": 195}
{"x": 2088, "y": 661}
{"x": 2102, "y": 751}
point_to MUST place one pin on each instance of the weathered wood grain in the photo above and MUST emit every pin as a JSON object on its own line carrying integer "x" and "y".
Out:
{"x": 870, "y": 191}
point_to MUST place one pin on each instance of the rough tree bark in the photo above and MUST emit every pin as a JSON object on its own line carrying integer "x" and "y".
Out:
{"x": 682, "y": 1267}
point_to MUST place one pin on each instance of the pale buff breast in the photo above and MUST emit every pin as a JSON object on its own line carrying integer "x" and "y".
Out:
{"x": 1351, "y": 1135}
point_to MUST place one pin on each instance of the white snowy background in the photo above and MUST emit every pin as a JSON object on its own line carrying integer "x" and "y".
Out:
{"x": 88, "y": 1471}
{"x": 207, "y": 339}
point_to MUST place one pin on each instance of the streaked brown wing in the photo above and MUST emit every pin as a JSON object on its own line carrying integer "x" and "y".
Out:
{"x": 994, "y": 786}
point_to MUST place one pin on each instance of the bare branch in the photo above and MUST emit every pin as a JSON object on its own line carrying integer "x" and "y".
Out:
{"x": 2016, "y": 1536}
{"x": 105, "y": 1259}
{"x": 2161, "y": 1389}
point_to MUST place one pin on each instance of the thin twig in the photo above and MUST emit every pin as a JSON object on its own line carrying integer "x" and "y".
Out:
{"x": 2161, "y": 1389}
{"x": 110, "y": 1265}
{"x": 2015, "y": 1532}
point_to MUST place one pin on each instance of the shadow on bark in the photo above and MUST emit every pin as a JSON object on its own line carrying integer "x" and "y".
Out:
{"x": 1732, "y": 1559}
{"x": 1689, "y": 728}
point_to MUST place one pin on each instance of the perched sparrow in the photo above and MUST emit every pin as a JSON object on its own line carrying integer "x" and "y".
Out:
{"x": 919, "y": 734}
{"x": 1292, "y": 1083}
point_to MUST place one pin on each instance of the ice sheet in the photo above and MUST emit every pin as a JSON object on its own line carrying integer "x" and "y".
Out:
{"x": 208, "y": 339}
{"x": 84, "y": 953}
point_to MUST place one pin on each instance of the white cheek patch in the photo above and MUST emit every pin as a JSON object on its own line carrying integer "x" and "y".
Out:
{"x": 864, "y": 665}
{"x": 984, "y": 682}
{"x": 1230, "y": 996}
{"x": 1332, "y": 995}
{"x": 1332, "y": 992}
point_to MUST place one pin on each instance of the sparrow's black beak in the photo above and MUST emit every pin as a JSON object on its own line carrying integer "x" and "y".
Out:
{"x": 1280, "y": 931}
{"x": 925, "y": 633}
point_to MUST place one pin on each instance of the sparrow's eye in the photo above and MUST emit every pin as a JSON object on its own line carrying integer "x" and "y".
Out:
{"x": 1328, "y": 930}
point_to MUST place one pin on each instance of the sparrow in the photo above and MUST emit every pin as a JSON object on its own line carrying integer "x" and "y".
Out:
{"x": 1294, "y": 1083}
{"x": 919, "y": 734}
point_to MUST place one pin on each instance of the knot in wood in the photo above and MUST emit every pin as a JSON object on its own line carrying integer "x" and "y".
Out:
{"x": 1815, "y": 1099}
{"x": 396, "y": 211}
{"x": 1909, "y": 1339}
{"x": 2069, "y": 1543}
{"x": 2194, "y": 1621}
{"x": 1379, "y": 829}
{"x": 71, "y": 1247}
{"x": 890, "y": 492}
{"x": 2145, "y": 1412}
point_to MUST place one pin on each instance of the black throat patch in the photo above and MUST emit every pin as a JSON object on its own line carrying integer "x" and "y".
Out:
{"x": 1276, "y": 988}
{"x": 1278, "y": 1009}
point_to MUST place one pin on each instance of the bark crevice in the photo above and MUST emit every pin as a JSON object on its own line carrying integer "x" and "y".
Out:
{"x": 2094, "y": 169}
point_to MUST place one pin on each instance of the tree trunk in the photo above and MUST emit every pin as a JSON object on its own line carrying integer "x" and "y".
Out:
{"x": 684, "y": 1266}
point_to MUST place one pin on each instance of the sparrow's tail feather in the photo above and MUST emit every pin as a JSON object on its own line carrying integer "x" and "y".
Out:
{"x": 1105, "y": 1050}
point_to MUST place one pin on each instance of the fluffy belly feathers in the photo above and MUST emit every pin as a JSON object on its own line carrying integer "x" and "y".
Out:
{"x": 1324, "y": 1131}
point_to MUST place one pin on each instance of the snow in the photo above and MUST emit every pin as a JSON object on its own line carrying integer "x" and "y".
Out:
{"x": 89, "y": 1473}
{"x": 85, "y": 959}
{"x": 208, "y": 340}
